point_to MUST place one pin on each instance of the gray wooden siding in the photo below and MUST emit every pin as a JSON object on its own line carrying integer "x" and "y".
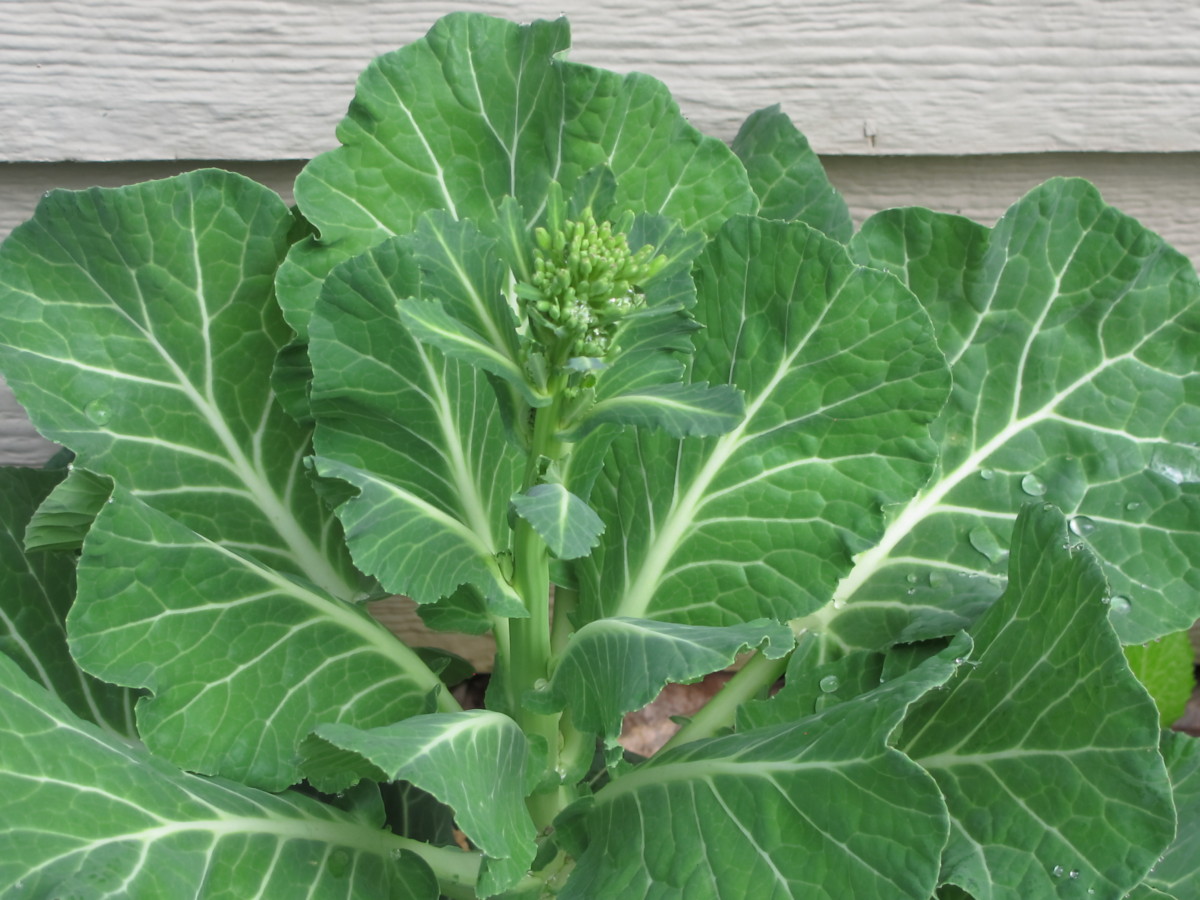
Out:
{"x": 267, "y": 79}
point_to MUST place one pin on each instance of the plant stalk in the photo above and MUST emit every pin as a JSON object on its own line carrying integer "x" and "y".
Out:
{"x": 530, "y": 650}
{"x": 754, "y": 678}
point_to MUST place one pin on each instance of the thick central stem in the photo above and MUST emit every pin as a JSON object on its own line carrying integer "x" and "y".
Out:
{"x": 530, "y": 649}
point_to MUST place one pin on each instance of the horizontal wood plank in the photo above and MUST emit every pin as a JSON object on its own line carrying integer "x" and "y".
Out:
{"x": 269, "y": 79}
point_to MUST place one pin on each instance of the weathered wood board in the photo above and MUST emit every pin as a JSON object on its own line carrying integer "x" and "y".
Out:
{"x": 268, "y": 79}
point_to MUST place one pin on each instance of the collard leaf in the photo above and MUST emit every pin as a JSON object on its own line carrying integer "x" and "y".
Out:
{"x": 680, "y": 410}
{"x": 417, "y": 435}
{"x": 85, "y": 814}
{"x": 139, "y": 329}
{"x": 788, "y": 176}
{"x": 1177, "y": 872}
{"x": 1072, "y": 332}
{"x": 242, "y": 660}
{"x": 459, "y": 758}
{"x": 415, "y": 548}
{"x": 569, "y": 526}
{"x": 812, "y": 684}
{"x": 428, "y": 322}
{"x": 36, "y": 590}
{"x": 62, "y": 520}
{"x": 481, "y": 109}
{"x": 1045, "y": 746}
{"x": 841, "y": 378}
{"x": 614, "y": 666}
{"x": 776, "y": 812}
{"x": 463, "y": 309}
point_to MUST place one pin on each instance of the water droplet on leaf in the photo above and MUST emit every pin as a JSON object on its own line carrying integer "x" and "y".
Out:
{"x": 986, "y": 543}
{"x": 987, "y": 474}
{"x": 1033, "y": 486}
{"x": 1133, "y": 504}
{"x": 98, "y": 412}
{"x": 830, "y": 683}
{"x": 1074, "y": 873}
{"x": 1057, "y": 871}
{"x": 911, "y": 578}
{"x": 1082, "y": 526}
{"x": 1119, "y": 604}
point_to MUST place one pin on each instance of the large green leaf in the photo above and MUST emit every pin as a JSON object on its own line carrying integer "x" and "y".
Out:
{"x": 481, "y": 109}
{"x": 464, "y": 308}
{"x": 788, "y": 176}
{"x": 680, "y": 410}
{"x": 417, "y": 433}
{"x": 459, "y": 758}
{"x": 614, "y": 666}
{"x": 822, "y": 807}
{"x": 63, "y": 518}
{"x": 1177, "y": 872}
{"x": 841, "y": 378}
{"x": 1073, "y": 334}
{"x": 242, "y": 661}
{"x": 138, "y": 328}
{"x": 83, "y": 814}
{"x": 36, "y": 590}
{"x": 1046, "y": 746}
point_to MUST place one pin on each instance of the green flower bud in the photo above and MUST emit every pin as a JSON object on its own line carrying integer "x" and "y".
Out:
{"x": 585, "y": 279}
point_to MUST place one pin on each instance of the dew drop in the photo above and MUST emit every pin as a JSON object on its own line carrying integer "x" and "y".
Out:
{"x": 839, "y": 604}
{"x": 1082, "y": 526}
{"x": 987, "y": 474}
{"x": 1074, "y": 873}
{"x": 937, "y": 579}
{"x": 1033, "y": 486}
{"x": 541, "y": 685}
{"x": 98, "y": 412}
{"x": 830, "y": 683}
{"x": 986, "y": 543}
{"x": 1119, "y": 604}
{"x": 911, "y": 578}
{"x": 1057, "y": 871}
{"x": 1133, "y": 504}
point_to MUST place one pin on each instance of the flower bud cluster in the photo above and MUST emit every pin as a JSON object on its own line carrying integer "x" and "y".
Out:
{"x": 585, "y": 280}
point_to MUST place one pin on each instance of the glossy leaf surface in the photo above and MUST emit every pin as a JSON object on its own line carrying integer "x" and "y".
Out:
{"x": 1051, "y": 790}
{"x": 821, "y": 807}
{"x": 83, "y": 814}
{"x": 459, "y": 758}
{"x": 224, "y": 644}
{"x": 841, "y": 379}
{"x": 1072, "y": 332}
{"x": 36, "y": 590}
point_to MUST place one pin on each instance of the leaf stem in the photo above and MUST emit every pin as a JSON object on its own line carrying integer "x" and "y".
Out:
{"x": 755, "y": 677}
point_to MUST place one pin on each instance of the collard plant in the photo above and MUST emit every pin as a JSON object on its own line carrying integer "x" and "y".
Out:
{"x": 535, "y": 353}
